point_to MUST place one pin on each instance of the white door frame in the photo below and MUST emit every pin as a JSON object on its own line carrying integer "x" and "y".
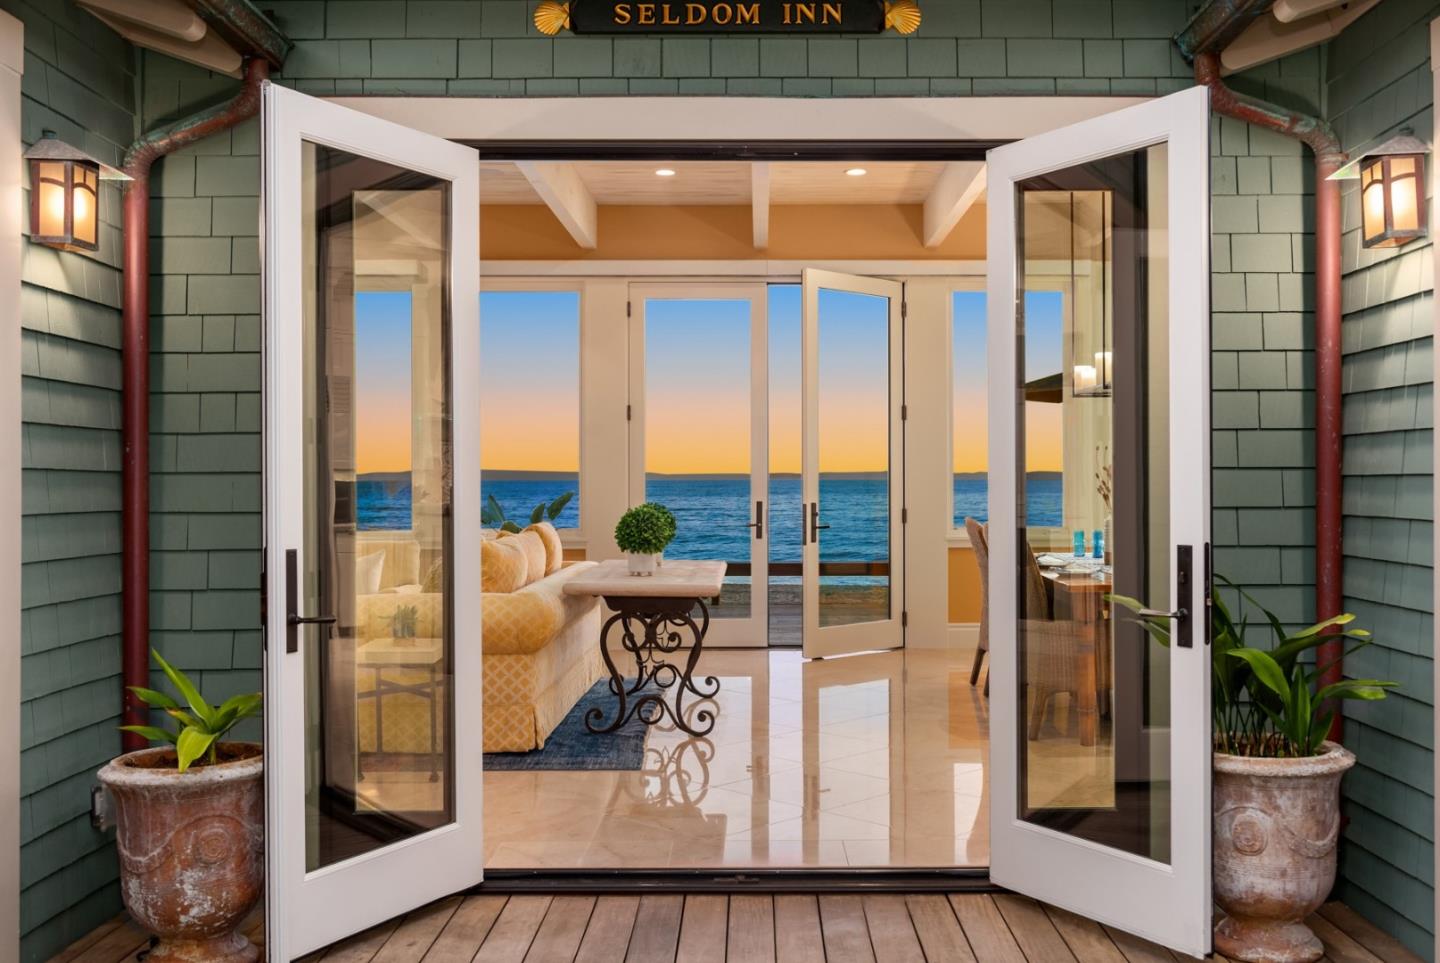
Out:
{"x": 754, "y": 630}
{"x": 1168, "y": 903}
{"x": 818, "y": 641}
{"x": 300, "y": 905}
{"x": 12, "y": 65}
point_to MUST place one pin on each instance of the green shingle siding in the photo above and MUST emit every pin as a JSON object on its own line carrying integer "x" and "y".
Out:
{"x": 1379, "y": 78}
{"x": 79, "y": 82}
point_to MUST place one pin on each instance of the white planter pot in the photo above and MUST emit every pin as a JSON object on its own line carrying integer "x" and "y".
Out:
{"x": 643, "y": 564}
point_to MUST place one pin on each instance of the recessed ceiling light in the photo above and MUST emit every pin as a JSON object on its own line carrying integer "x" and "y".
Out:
{"x": 856, "y": 172}
{"x": 665, "y": 172}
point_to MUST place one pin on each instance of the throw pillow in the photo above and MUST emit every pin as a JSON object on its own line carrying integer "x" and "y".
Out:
{"x": 502, "y": 566}
{"x": 368, "y": 571}
{"x": 534, "y": 549}
{"x": 554, "y": 550}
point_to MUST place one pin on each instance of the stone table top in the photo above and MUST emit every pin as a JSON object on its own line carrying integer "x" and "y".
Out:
{"x": 408, "y": 652}
{"x": 676, "y": 578}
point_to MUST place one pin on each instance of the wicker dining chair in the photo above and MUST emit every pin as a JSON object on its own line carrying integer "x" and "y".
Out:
{"x": 980, "y": 545}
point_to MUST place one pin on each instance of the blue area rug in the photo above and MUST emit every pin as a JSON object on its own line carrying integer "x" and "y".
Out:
{"x": 572, "y": 746}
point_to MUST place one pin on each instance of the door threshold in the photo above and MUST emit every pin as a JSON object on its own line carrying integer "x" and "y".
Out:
{"x": 837, "y": 880}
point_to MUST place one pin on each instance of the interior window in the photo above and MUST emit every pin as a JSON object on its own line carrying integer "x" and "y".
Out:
{"x": 530, "y": 407}
{"x": 1044, "y": 314}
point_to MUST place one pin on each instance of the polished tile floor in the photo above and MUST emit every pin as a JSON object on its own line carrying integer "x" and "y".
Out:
{"x": 867, "y": 760}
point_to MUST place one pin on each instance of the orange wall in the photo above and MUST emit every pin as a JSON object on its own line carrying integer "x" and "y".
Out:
{"x": 964, "y": 586}
{"x": 512, "y": 232}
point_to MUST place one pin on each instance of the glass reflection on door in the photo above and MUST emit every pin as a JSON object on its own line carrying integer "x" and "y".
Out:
{"x": 853, "y": 425}
{"x": 1093, "y": 690}
{"x": 378, "y": 536}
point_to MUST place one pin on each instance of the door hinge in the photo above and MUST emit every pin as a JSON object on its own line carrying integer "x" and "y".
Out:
{"x": 629, "y": 307}
{"x": 904, "y": 310}
{"x": 904, "y": 619}
{"x": 904, "y": 516}
{"x": 627, "y": 413}
{"x": 904, "y": 412}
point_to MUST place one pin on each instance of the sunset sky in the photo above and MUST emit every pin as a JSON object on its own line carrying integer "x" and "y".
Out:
{"x": 697, "y": 382}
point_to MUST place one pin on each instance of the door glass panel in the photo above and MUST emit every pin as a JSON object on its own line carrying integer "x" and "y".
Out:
{"x": 1094, "y": 410}
{"x": 853, "y": 425}
{"x": 377, "y": 505}
{"x": 698, "y": 434}
{"x": 787, "y": 417}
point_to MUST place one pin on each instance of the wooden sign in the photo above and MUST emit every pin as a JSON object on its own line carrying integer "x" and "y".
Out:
{"x": 727, "y": 16}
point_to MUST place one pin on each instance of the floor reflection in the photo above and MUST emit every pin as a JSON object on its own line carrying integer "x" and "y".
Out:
{"x": 870, "y": 760}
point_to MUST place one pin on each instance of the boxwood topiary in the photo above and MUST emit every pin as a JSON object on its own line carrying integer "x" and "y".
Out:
{"x": 645, "y": 529}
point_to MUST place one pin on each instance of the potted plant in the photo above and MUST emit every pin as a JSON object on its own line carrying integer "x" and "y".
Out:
{"x": 403, "y": 622}
{"x": 1277, "y": 779}
{"x": 642, "y": 533}
{"x": 190, "y": 829}
{"x": 493, "y": 515}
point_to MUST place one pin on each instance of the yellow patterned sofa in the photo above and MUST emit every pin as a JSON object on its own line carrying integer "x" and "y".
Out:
{"x": 540, "y": 654}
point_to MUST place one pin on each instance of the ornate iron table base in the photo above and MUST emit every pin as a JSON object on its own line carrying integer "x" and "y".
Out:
{"x": 650, "y": 630}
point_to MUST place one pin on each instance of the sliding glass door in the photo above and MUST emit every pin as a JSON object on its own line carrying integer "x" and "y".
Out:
{"x": 698, "y": 430}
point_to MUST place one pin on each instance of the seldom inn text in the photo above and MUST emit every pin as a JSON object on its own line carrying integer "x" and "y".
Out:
{"x": 761, "y": 16}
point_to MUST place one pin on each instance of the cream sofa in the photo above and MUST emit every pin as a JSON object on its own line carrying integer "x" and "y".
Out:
{"x": 540, "y": 654}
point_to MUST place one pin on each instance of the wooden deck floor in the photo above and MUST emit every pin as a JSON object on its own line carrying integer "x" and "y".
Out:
{"x": 751, "y": 929}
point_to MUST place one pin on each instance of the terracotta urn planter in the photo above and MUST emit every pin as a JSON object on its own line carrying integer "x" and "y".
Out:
{"x": 1277, "y": 822}
{"x": 191, "y": 849}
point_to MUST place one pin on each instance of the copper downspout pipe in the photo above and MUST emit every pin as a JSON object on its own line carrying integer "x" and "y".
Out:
{"x": 1329, "y": 519}
{"x": 135, "y": 380}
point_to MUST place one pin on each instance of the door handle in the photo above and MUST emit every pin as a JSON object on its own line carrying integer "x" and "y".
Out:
{"x": 1184, "y": 624}
{"x": 759, "y": 523}
{"x": 815, "y": 525}
{"x": 293, "y": 618}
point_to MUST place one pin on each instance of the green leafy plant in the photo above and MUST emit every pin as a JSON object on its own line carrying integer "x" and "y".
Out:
{"x": 200, "y": 725}
{"x": 645, "y": 529}
{"x": 1265, "y": 701}
{"x": 403, "y": 621}
{"x": 492, "y": 515}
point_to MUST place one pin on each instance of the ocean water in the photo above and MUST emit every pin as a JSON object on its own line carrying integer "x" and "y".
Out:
{"x": 712, "y": 514}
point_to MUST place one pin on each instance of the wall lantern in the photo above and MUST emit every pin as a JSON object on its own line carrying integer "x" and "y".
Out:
{"x": 65, "y": 194}
{"x": 1392, "y": 192}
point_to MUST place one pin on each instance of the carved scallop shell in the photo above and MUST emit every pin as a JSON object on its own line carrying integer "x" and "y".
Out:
{"x": 902, "y": 15}
{"x": 551, "y": 17}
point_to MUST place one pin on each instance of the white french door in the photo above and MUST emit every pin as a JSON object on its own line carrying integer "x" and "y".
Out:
{"x": 699, "y": 436}
{"x": 372, "y": 482}
{"x": 852, "y": 464}
{"x": 1099, "y": 738}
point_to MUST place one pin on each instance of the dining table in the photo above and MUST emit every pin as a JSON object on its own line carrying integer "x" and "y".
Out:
{"x": 1080, "y": 597}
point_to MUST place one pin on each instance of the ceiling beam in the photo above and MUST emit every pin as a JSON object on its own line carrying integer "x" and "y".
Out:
{"x": 560, "y": 187}
{"x": 760, "y": 203}
{"x": 210, "y": 51}
{"x": 165, "y": 16}
{"x": 959, "y": 185}
{"x": 1288, "y": 11}
{"x": 1270, "y": 39}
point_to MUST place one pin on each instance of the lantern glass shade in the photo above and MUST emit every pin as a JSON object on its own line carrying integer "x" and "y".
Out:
{"x": 1392, "y": 199}
{"x": 65, "y": 203}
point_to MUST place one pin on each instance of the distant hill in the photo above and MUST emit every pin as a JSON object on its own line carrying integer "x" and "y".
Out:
{"x": 509, "y": 474}
{"x": 386, "y": 477}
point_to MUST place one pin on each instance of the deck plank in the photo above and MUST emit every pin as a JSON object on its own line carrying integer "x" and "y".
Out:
{"x": 1367, "y": 934}
{"x": 751, "y": 930}
{"x": 413, "y": 938}
{"x": 892, "y": 933}
{"x": 362, "y": 947}
{"x": 1138, "y": 950}
{"x": 608, "y": 936}
{"x": 1086, "y": 938}
{"x": 657, "y": 929}
{"x": 558, "y": 939}
{"x": 843, "y": 927}
{"x": 90, "y": 939}
{"x": 118, "y": 943}
{"x": 703, "y": 929}
{"x": 509, "y": 939}
{"x": 1340, "y": 946}
{"x": 798, "y": 938}
{"x": 939, "y": 931}
{"x": 466, "y": 930}
{"x": 989, "y": 935}
{"x": 1032, "y": 929}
